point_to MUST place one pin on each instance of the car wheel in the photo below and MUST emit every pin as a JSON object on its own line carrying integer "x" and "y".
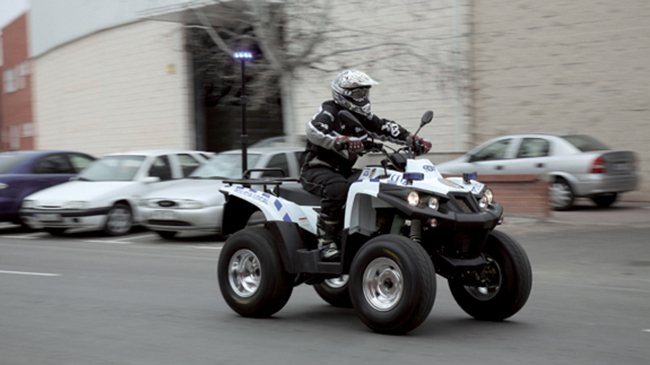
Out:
{"x": 561, "y": 195}
{"x": 251, "y": 275}
{"x": 335, "y": 291}
{"x": 119, "y": 220}
{"x": 55, "y": 231}
{"x": 507, "y": 281}
{"x": 168, "y": 235}
{"x": 392, "y": 284}
{"x": 604, "y": 201}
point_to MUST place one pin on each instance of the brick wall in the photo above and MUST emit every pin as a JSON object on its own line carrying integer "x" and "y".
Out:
{"x": 520, "y": 195}
{"x": 16, "y": 100}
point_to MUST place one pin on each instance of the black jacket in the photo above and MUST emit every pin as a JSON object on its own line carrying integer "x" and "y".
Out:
{"x": 325, "y": 127}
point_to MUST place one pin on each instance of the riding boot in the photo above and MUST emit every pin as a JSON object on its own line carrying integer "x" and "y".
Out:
{"x": 326, "y": 235}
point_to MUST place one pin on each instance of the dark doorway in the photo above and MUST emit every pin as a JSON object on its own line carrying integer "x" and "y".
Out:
{"x": 217, "y": 86}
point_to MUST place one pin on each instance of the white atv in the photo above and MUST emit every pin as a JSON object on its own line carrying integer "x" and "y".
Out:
{"x": 404, "y": 223}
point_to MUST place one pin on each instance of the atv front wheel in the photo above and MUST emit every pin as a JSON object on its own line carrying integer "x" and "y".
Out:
{"x": 335, "y": 291}
{"x": 251, "y": 276}
{"x": 508, "y": 280}
{"x": 392, "y": 284}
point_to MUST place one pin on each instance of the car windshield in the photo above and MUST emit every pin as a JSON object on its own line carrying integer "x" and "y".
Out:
{"x": 224, "y": 166}
{"x": 9, "y": 160}
{"x": 112, "y": 168}
{"x": 585, "y": 143}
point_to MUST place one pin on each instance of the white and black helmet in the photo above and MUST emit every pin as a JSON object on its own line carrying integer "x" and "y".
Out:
{"x": 351, "y": 90}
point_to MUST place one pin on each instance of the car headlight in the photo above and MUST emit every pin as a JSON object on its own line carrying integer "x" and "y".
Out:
{"x": 434, "y": 203}
{"x": 413, "y": 198}
{"x": 75, "y": 205}
{"x": 3, "y": 186}
{"x": 189, "y": 204}
{"x": 28, "y": 204}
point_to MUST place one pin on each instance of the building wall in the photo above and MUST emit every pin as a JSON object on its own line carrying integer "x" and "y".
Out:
{"x": 417, "y": 53}
{"x": 121, "y": 89}
{"x": 561, "y": 66}
{"x": 16, "y": 100}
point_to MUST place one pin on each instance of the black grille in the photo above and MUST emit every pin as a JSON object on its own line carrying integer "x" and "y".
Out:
{"x": 464, "y": 203}
{"x": 155, "y": 222}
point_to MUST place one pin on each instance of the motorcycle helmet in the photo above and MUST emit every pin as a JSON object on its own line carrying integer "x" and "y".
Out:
{"x": 351, "y": 90}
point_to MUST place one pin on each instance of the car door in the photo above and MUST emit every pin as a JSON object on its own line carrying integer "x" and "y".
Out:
{"x": 279, "y": 161}
{"x": 493, "y": 158}
{"x": 532, "y": 156}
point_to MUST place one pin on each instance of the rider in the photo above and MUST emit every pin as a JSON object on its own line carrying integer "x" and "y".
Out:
{"x": 331, "y": 150}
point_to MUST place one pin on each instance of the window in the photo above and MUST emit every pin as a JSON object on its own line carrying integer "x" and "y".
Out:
{"x": 493, "y": 151}
{"x": 53, "y": 164}
{"x": 533, "y": 147}
{"x": 161, "y": 168}
{"x": 278, "y": 161}
{"x": 79, "y": 162}
{"x": 586, "y": 143}
{"x": 188, "y": 164}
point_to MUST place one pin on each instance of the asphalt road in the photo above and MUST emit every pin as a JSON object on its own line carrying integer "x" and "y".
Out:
{"x": 91, "y": 299}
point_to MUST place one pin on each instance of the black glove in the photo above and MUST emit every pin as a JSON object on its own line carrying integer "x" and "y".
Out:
{"x": 351, "y": 144}
{"x": 420, "y": 145}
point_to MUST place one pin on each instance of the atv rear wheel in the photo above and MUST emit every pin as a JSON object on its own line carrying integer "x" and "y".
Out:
{"x": 335, "y": 291}
{"x": 251, "y": 276}
{"x": 392, "y": 284}
{"x": 508, "y": 281}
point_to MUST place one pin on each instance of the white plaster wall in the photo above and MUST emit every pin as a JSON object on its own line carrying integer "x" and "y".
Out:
{"x": 121, "y": 89}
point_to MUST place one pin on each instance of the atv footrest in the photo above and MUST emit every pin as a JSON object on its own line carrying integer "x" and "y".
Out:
{"x": 309, "y": 261}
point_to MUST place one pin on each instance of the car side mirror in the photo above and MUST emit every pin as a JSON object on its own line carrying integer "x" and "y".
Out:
{"x": 150, "y": 179}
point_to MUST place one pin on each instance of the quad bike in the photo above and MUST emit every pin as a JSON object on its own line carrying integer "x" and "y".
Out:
{"x": 404, "y": 223}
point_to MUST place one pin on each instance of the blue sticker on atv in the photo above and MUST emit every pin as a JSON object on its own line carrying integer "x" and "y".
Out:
{"x": 429, "y": 168}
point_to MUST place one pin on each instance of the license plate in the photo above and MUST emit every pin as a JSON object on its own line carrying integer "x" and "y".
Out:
{"x": 619, "y": 167}
{"x": 48, "y": 217}
{"x": 162, "y": 214}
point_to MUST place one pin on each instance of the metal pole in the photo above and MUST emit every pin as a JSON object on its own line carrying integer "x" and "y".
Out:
{"x": 244, "y": 136}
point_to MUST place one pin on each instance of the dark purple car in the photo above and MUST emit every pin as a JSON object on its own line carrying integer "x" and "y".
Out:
{"x": 25, "y": 172}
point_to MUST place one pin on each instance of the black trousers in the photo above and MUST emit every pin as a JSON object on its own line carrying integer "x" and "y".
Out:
{"x": 332, "y": 185}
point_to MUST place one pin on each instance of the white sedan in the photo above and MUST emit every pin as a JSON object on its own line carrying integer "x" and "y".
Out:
{"x": 578, "y": 165}
{"x": 105, "y": 194}
{"x": 195, "y": 203}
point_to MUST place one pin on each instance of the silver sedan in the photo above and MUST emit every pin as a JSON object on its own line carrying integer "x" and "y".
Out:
{"x": 579, "y": 165}
{"x": 195, "y": 203}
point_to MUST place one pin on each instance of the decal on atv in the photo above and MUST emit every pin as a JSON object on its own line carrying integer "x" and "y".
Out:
{"x": 451, "y": 184}
{"x": 429, "y": 168}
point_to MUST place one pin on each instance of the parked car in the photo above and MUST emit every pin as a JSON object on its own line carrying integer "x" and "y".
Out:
{"x": 26, "y": 172}
{"x": 105, "y": 194}
{"x": 195, "y": 203}
{"x": 579, "y": 165}
{"x": 281, "y": 141}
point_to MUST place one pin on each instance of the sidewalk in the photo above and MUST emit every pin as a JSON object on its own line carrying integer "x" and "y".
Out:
{"x": 621, "y": 213}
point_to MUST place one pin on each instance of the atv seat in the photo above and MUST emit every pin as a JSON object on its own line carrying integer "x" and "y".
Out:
{"x": 294, "y": 192}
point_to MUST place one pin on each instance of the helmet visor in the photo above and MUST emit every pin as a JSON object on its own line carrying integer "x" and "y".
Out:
{"x": 359, "y": 93}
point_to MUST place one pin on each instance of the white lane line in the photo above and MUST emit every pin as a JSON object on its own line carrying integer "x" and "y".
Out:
{"x": 31, "y": 236}
{"x": 28, "y": 273}
{"x": 646, "y": 330}
{"x": 107, "y": 241}
{"x": 208, "y": 247}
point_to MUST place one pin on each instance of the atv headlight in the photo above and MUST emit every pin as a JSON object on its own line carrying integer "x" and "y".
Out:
{"x": 3, "y": 186}
{"x": 490, "y": 195}
{"x": 434, "y": 203}
{"x": 413, "y": 199}
{"x": 483, "y": 203}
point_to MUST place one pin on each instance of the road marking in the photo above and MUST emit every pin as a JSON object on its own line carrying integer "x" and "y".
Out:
{"x": 208, "y": 247}
{"x": 646, "y": 330}
{"x": 31, "y": 236}
{"x": 28, "y": 273}
{"x": 108, "y": 241}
